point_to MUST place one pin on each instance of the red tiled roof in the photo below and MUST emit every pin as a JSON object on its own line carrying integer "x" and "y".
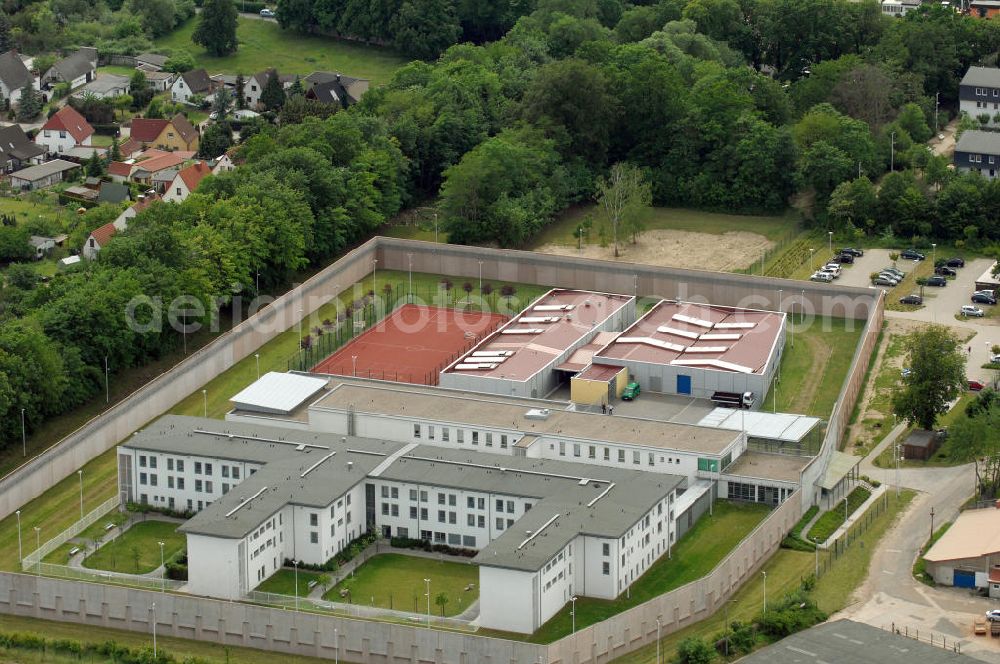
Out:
{"x": 103, "y": 234}
{"x": 158, "y": 160}
{"x": 129, "y": 147}
{"x": 145, "y": 130}
{"x": 139, "y": 206}
{"x": 69, "y": 119}
{"x": 194, "y": 174}
{"x": 119, "y": 168}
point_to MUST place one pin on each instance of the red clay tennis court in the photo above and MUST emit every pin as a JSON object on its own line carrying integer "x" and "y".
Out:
{"x": 412, "y": 345}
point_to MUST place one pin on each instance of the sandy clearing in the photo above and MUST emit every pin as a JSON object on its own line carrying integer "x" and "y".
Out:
{"x": 730, "y": 251}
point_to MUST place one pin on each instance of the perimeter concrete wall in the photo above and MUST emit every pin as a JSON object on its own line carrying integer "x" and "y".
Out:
{"x": 236, "y": 624}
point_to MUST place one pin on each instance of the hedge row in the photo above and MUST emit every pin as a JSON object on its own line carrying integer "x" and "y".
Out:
{"x": 348, "y": 553}
{"x": 425, "y": 545}
{"x": 109, "y": 650}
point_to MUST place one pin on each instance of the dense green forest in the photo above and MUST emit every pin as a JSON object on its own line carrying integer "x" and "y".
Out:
{"x": 506, "y": 134}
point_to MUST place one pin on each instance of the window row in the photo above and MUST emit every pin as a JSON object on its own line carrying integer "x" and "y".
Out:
{"x": 606, "y": 454}
{"x": 487, "y": 437}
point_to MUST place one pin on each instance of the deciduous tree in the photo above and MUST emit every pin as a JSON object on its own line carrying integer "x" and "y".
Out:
{"x": 216, "y": 30}
{"x": 937, "y": 376}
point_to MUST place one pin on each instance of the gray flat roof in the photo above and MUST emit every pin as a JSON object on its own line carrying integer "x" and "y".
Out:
{"x": 482, "y": 411}
{"x": 33, "y": 173}
{"x": 982, "y": 76}
{"x": 758, "y": 424}
{"x": 305, "y": 468}
{"x": 849, "y": 642}
{"x": 975, "y": 140}
{"x": 276, "y": 392}
{"x": 765, "y": 466}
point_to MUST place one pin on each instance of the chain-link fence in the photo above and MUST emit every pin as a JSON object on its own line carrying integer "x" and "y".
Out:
{"x": 101, "y": 576}
{"x": 31, "y": 560}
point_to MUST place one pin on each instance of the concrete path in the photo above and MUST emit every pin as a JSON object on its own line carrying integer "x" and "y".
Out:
{"x": 875, "y": 496}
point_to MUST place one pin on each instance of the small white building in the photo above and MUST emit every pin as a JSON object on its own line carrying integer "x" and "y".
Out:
{"x": 76, "y": 69}
{"x": 185, "y": 182}
{"x": 968, "y": 554}
{"x": 65, "y": 130}
{"x": 191, "y": 83}
{"x": 14, "y": 75}
{"x": 105, "y": 86}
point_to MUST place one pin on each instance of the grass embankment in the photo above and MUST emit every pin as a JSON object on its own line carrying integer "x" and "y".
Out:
{"x": 395, "y": 581}
{"x": 694, "y": 556}
{"x": 785, "y": 572}
{"x": 262, "y": 44}
{"x": 137, "y": 551}
{"x": 813, "y": 366}
{"x": 834, "y": 518}
{"x": 920, "y": 566}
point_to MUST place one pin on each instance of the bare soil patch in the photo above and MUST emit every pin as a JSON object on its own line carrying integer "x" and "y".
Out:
{"x": 728, "y": 251}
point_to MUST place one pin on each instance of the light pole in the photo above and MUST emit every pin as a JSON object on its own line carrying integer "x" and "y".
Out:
{"x": 829, "y": 235}
{"x": 812, "y": 267}
{"x": 480, "y": 277}
{"x": 932, "y": 522}
{"x": 24, "y": 437}
{"x": 765, "y": 591}
{"x": 933, "y": 254}
{"x": 256, "y": 356}
{"x": 572, "y": 613}
{"x": 428, "y": 582}
{"x": 892, "y": 151}
{"x": 163, "y": 571}
{"x": 300, "y": 327}
{"x": 20, "y": 552}
{"x": 816, "y": 543}
{"x": 256, "y": 283}
{"x": 409, "y": 292}
{"x": 107, "y": 388}
{"x": 336, "y": 646}
{"x": 152, "y": 621}
{"x": 79, "y": 474}
{"x": 374, "y": 265}
{"x": 657, "y": 641}
{"x": 937, "y": 102}
{"x": 38, "y": 546}
{"x": 204, "y": 396}
{"x": 435, "y": 227}
{"x": 896, "y": 451}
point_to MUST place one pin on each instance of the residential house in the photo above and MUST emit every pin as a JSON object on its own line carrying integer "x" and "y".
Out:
{"x": 43, "y": 246}
{"x": 984, "y": 8}
{"x": 150, "y": 62}
{"x": 160, "y": 81}
{"x": 155, "y": 161}
{"x": 899, "y": 8}
{"x": 979, "y": 94}
{"x": 129, "y": 147}
{"x": 142, "y": 202}
{"x": 223, "y": 164}
{"x": 176, "y": 133}
{"x": 120, "y": 171}
{"x": 98, "y": 239}
{"x": 187, "y": 180}
{"x": 335, "y": 87}
{"x": 43, "y": 175}
{"x": 161, "y": 180}
{"x": 14, "y": 75}
{"x": 17, "y": 151}
{"x": 77, "y": 69}
{"x": 979, "y": 151}
{"x": 64, "y": 130}
{"x": 105, "y": 86}
{"x": 190, "y": 83}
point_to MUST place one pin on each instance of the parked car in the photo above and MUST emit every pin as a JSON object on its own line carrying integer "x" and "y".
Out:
{"x": 945, "y": 271}
{"x": 894, "y": 270}
{"x": 956, "y": 262}
{"x": 883, "y": 281}
{"x": 993, "y": 615}
{"x": 825, "y": 277}
{"x": 983, "y": 298}
{"x": 912, "y": 299}
{"x": 831, "y": 268}
{"x": 853, "y": 252}
{"x": 995, "y": 359}
{"x": 266, "y": 13}
{"x": 906, "y": 372}
{"x": 937, "y": 280}
{"x": 912, "y": 255}
{"x": 969, "y": 310}
{"x": 976, "y": 386}
{"x": 630, "y": 392}
{"x": 846, "y": 259}
{"x": 890, "y": 276}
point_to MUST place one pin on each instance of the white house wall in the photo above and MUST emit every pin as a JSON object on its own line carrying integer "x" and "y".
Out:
{"x": 508, "y": 599}
{"x": 216, "y": 566}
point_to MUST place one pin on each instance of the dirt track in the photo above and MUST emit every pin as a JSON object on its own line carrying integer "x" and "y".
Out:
{"x": 729, "y": 251}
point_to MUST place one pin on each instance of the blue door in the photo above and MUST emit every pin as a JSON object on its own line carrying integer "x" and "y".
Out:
{"x": 964, "y": 579}
{"x": 683, "y": 384}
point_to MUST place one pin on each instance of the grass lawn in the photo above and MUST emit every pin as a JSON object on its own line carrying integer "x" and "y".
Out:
{"x": 785, "y": 571}
{"x": 814, "y": 365}
{"x": 263, "y": 44}
{"x": 101, "y": 140}
{"x": 137, "y": 550}
{"x": 24, "y": 209}
{"x": 61, "y": 555}
{"x": 118, "y": 70}
{"x": 395, "y": 581}
{"x": 834, "y": 518}
{"x": 282, "y": 582}
{"x": 774, "y": 228}
{"x": 694, "y": 556}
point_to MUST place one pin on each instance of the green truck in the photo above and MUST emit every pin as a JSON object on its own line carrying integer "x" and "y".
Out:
{"x": 630, "y": 392}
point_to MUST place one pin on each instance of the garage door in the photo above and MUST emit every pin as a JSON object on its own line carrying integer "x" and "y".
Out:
{"x": 683, "y": 384}
{"x": 964, "y": 579}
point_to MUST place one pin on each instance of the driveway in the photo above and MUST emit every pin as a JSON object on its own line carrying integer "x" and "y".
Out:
{"x": 945, "y": 145}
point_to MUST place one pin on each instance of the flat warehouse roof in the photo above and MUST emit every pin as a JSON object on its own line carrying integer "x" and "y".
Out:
{"x": 279, "y": 393}
{"x": 699, "y": 336}
{"x": 482, "y": 412}
{"x": 849, "y": 642}
{"x": 538, "y": 335}
{"x": 773, "y": 426}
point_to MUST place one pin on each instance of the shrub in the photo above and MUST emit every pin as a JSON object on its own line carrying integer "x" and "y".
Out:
{"x": 694, "y": 650}
{"x": 793, "y": 613}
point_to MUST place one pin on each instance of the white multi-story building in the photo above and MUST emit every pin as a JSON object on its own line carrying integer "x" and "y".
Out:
{"x": 546, "y": 530}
